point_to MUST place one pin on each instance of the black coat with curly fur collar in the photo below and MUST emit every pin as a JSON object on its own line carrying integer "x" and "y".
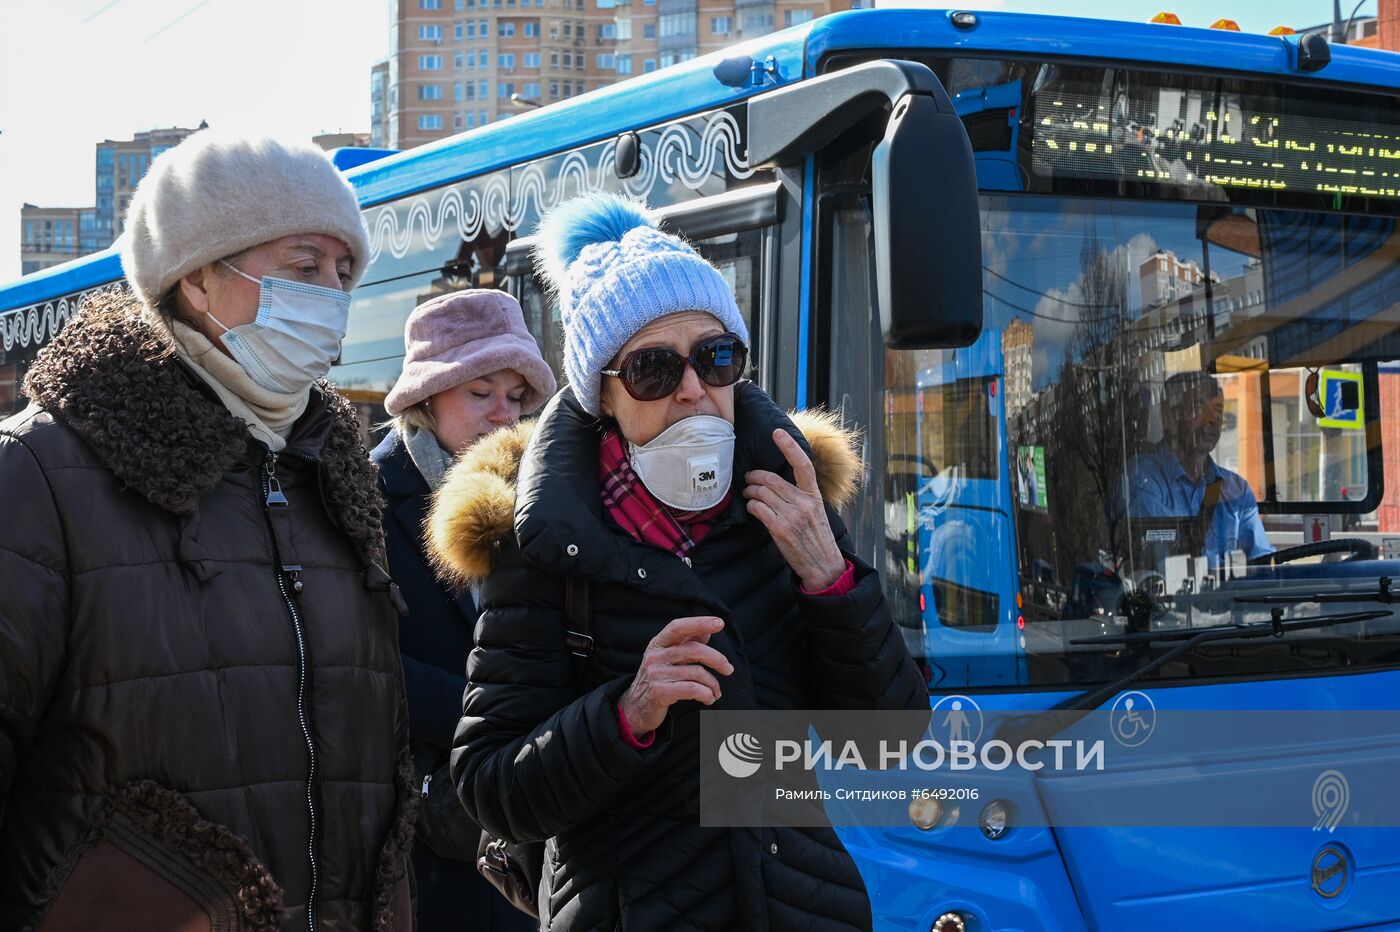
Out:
{"x": 163, "y": 682}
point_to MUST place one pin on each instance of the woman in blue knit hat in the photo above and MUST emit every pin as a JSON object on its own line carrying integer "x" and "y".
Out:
{"x": 700, "y": 521}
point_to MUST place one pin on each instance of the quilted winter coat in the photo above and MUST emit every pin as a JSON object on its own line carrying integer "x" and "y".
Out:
{"x": 202, "y": 717}
{"x": 435, "y": 638}
{"x": 537, "y": 757}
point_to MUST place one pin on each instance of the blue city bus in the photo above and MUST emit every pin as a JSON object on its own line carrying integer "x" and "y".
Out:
{"x": 1157, "y": 203}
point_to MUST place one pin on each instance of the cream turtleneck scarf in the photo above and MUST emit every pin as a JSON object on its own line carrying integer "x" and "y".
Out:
{"x": 269, "y": 415}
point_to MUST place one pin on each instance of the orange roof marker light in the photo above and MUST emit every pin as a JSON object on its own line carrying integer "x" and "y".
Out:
{"x": 1226, "y": 24}
{"x": 1166, "y": 19}
{"x": 1283, "y": 31}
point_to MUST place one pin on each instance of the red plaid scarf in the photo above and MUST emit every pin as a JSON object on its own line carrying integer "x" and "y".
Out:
{"x": 638, "y": 513}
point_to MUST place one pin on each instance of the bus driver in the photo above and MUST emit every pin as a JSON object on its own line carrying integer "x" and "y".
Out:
{"x": 1180, "y": 479}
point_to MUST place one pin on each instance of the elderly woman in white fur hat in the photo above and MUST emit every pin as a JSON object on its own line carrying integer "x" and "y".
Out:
{"x": 202, "y": 715}
{"x": 470, "y": 368}
{"x": 667, "y": 541}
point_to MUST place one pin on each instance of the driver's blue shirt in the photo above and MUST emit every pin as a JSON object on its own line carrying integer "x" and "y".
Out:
{"x": 1158, "y": 487}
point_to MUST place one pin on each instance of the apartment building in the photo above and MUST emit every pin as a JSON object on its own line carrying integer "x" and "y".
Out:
{"x": 53, "y": 235}
{"x": 460, "y": 64}
{"x": 121, "y": 164}
{"x": 379, "y": 105}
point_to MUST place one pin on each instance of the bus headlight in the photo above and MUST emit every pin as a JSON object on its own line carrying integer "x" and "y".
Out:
{"x": 925, "y": 813}
{"x": 995, "y": 819}
{"x": 950, "y": 922}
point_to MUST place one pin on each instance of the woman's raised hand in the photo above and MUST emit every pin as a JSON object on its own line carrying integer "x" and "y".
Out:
{"x": 676, "y": 665}
{"x": 796, "y": 517}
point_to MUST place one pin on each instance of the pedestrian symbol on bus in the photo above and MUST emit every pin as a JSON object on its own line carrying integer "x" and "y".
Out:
{"x": 956, "y": 721}
{"x": 956, "y": 718}
{"x": 1342, "y": 394}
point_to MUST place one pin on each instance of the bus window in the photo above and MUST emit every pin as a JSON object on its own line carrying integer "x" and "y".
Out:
{"x": 938, "y": 534}
{"x": 1172, "y": 406}
{"x": 740, "y": 259}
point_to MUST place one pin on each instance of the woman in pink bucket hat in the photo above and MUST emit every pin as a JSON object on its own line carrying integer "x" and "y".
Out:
{"x": 470, "y": 368}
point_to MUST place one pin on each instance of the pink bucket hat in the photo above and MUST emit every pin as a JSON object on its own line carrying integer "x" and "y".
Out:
{"x": 456, "y": 337}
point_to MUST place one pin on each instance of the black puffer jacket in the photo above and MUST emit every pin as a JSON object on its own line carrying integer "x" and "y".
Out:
{"x": 435, "y": 638}
{"x": 171, "y": 707}
{"x": 534, "y": 759}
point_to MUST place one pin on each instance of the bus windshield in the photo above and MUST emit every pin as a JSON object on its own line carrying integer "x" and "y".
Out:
{"x": 1177, "y": 408}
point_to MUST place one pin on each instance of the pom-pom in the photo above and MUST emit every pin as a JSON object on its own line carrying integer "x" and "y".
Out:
{"x": 582, "y": 221}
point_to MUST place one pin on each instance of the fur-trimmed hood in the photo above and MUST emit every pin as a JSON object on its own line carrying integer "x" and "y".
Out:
{"x": 475, "y": 508}
{"x": 112, "y": 378}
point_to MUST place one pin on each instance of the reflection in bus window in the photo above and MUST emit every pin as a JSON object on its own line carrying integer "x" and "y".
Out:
{"x": 1170, "y": 404}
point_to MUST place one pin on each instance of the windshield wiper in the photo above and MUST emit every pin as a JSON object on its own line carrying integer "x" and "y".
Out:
{"x": 1276, "y": 626}
{"x": 1045, "y": 725}
{"x": 1383, "y": 594}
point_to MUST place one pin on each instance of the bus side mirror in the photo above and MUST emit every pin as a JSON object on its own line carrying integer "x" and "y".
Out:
{"x": 926, "y": 221}
{"x": 928, "y": 233}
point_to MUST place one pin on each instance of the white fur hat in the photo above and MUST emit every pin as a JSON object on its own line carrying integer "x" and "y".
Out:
{"x": 215, "y": 195}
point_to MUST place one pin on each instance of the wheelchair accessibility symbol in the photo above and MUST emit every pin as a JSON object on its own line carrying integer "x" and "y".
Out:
{"x": 1132, "y": 719}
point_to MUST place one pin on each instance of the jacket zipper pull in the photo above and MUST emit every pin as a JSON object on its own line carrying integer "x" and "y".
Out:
{"x": 275, "y": 498}
{"x": 427, "y": 778}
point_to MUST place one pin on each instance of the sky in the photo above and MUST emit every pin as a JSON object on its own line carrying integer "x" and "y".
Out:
{"x": 75, "y": 72}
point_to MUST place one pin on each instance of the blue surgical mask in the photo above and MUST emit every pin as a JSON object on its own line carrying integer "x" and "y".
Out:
{"x": 295, "y": 337}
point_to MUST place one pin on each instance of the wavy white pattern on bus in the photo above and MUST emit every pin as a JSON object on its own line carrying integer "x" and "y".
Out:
{"x": 677, "y": 155}
{"x": 38, "y": 323}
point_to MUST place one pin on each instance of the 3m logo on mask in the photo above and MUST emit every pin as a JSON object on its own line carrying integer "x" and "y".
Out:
{"x": 690, "y": 464}
{"x": 704, "y": 473}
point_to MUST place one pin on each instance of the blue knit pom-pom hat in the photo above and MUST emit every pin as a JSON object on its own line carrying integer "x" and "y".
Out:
{"x": 614, "y": 272}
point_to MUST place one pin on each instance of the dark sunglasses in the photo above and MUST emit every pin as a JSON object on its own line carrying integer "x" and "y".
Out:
{"x": 653, "y": 373}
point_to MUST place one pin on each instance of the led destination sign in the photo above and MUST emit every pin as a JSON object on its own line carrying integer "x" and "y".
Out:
{"x": 1204, "y": 140}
